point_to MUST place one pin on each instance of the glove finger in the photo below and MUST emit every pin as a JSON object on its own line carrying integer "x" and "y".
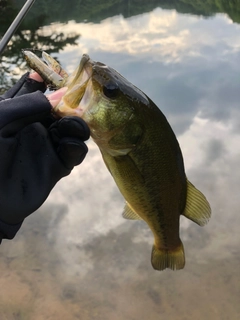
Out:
{"x": 23, "y": 86}
{"x": 48, "y": 121}
{"x": 30, "y": 86}
{"x": 12, "y": 91}
{"x": 19, "y": 112}
{"x": 71, "y": 151}
{"x": 54, "y": 134}
{"x": 73, "y": 127}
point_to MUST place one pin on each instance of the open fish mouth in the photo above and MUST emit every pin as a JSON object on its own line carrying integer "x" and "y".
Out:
{"x": 81, "y": 74}
{"x": 79, "y": 85}
{"x": 74, "y": 102}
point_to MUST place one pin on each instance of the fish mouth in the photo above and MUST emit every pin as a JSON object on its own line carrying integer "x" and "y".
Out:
{"x": 73, "y": 103}
{"x": 82, "y": 73}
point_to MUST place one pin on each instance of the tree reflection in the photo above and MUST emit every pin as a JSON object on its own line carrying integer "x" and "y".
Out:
{"x": 31, "y": 34}
{"x": 38, "y": 30}
{"x": 97, "y": 10}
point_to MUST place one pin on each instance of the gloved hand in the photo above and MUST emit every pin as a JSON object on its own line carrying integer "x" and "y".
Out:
{"x": 23, "y": 86}
{"x": 33, "y": 155}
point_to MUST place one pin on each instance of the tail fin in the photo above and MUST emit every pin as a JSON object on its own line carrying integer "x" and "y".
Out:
{"x": 165, "y": 258}
{"x": 197, "y": 207}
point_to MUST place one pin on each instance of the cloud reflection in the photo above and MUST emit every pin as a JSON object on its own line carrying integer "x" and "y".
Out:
{"x": 188, "y": 66}
{"x": 184, "y": 63}
{"x": 81, "y": 250}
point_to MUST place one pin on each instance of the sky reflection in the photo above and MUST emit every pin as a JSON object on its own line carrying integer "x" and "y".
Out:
{"x": 184, "y": 63}
{"x": 196, "y": 85}
{"x": 189, "y": 67}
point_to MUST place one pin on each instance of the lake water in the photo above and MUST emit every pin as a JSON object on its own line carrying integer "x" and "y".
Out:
{"x": 77, "y": 258}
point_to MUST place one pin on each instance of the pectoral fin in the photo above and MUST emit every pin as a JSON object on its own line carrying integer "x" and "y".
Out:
{"x": 129, "y": 214}
{"x": 197, "y": 207}
{"x": 118, "y": 152}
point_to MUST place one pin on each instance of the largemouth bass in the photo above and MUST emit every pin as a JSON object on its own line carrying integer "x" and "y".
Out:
{"x": 141, "y": 152}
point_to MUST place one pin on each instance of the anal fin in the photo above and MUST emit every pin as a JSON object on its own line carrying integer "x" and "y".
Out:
{"x": 129, "y": 214}
{"x": 197, "y": 207}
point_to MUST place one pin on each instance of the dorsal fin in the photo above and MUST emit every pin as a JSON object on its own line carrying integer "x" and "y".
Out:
{"x": 197, "y": 207}
{"x": 129, "y": 214}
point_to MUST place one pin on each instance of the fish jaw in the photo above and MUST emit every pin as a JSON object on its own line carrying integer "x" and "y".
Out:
{"x": 79, "y": 93}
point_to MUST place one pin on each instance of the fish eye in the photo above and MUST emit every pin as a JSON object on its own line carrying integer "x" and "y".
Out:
{"x": 111, "y": 90}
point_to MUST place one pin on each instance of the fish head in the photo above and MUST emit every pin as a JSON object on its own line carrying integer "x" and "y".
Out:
{"x": 102, "y": 97}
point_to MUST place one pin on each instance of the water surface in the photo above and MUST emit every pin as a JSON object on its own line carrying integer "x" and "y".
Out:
{"x": 77, "y": 258}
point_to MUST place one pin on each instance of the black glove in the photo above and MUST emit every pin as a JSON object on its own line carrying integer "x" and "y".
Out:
{"x": 23, "y": 86}
{"x": 33, "y": 156}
